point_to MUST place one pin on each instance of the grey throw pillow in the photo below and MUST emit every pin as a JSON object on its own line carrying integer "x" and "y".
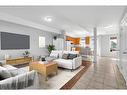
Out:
{"x": 4, "y": 73}
{"x": 1, "y": 64}
{"x": 65, "y": 56}
{"x": 71, "y": 56}
{"x": 1, "y": 78}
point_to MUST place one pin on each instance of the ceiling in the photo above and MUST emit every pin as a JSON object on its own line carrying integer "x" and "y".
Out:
{"x": 76, "y": 21}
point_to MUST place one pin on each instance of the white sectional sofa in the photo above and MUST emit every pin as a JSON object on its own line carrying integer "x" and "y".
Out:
{"x": 67, "y": 63}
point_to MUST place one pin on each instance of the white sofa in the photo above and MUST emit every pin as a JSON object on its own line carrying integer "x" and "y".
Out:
{"x": 20, "y": 79}
{"x": 67, "y": 63}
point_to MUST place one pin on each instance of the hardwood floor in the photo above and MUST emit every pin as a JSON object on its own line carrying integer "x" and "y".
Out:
{"x": 72, "y": 82}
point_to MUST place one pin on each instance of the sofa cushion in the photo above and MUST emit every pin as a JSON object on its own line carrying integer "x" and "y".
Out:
{"x": 2, "y": 62}
{"x": 4, "y": 73}
{"x": 51, "y": 58}
{"x": 65, "y": 56}
{"x": 9, "y": 67}
{"x": 18, "y": 71}
{"x": 60, "y": 54}
{"x": 71, "y": 56}
{"x": 64, "y": 63}
{"x": 54, "y": 54}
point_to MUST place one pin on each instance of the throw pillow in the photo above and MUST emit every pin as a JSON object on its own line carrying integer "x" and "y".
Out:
{"x": 4, "y": 73}
{"x": 54, "y": 54}
{"x": 43, "y": 59}
{"x": 60, "y": 54}
{"x": 71, "y": 56}
{"x": 1, "y": 78}
{"x": 65, "y": 56}
{"x": 2, "y": 62}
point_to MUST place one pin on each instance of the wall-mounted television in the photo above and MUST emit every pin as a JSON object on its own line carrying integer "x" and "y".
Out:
{"x": 14, "y": 41}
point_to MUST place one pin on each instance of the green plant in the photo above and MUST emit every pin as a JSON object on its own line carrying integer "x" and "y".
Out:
{"x": 26, "y": 53}
{"x": 50, "y": 48}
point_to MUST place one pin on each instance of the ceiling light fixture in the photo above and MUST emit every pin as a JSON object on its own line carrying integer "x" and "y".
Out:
{"x": 48, "y": 18}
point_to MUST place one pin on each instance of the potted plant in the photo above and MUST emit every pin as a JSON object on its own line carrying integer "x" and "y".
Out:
{"x": 26, "y": 54}
{"x": 50, "y": 48}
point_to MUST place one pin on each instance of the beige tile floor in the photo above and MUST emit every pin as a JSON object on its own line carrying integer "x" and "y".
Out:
{"x": 103, "y": 75}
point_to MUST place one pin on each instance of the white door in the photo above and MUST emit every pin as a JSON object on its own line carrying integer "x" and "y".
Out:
{"x": 59, "y": 44}
{"x": 123, "y": 52}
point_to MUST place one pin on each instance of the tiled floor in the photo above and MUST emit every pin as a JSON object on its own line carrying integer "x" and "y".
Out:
{"x": 103, "y": 75}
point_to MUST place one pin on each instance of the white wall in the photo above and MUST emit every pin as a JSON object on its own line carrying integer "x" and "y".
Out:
{"x": 34, "y": 39}
{"x": 123, "y": 52}
{"x": 103, "y": 46}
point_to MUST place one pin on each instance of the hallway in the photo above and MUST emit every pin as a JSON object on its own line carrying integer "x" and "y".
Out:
{"x": 103, "y": 75}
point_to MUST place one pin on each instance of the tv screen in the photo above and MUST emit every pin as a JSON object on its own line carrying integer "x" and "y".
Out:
{"x": 14, "y": 41}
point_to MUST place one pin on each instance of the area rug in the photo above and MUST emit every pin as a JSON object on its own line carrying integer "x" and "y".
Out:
{"x": 56, "y": 81}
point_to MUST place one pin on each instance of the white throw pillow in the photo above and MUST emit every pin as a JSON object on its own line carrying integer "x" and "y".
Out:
{"x": 2, "y": 68}
{"x": 60, "y": 54}
{"x": 54, "y": 54}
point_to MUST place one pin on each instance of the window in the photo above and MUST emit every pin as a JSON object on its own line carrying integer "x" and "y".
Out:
{"x": 41, "y": 41}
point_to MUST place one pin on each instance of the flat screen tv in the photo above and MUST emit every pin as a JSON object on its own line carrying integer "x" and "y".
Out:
{"x": 14, "y": 41}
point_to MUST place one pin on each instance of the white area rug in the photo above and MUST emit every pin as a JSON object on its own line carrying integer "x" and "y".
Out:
{"x": 56, "y": 81}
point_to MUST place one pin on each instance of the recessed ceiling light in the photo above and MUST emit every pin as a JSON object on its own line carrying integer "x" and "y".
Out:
{"x": 48, "y": 18}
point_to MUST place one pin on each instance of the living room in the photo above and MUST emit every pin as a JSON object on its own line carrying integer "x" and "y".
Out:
{"x": 16, "y": 57}
{"x": 45, "y": 50}
{"x": 22, "y": 42}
